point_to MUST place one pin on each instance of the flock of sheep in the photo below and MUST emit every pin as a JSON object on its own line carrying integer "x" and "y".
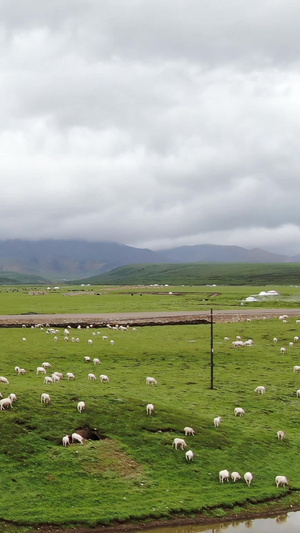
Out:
{"x": 76, "y": 438}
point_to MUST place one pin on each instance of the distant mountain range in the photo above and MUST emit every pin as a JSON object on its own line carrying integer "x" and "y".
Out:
{"x": 73, "y": 259}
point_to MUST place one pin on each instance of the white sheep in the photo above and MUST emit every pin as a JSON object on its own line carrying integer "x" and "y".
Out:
{"x": 238, "y": 344}
{"x": 296, "y": 338}
{"x": 20, "y": 370}
{"x": 291, "y": 344}
{"x": 5, "y": 403}
{"x": 87, "y": 359}
{"x": 189, "y": 455}
{"x": 149, "y": 408}
{"x": 235, "y": 476}
{"x": 66, "y": 440}
{"x": 45, "y": 398}
{"x": 249, "y": 342}
{"x": 96, "y": 361}
{"x": 217, "y": 421}
{"x": 104, "y": 378}
{"x": 59, "y": 374}
{"x": 296, "y": 368}
{"x": 151, "y": 381}
{"x": 260, "y": 390}
{"x": 239, "y": 411}
{"x": 282, "y": 350}
{"x": 70, "y": 375}
{"x": 80, "y": 407}
{"x": 298, "y": 393}
{"x": 40, "y": 370}
{"x": 248, "y": 477}
{"x": 280, "y": 435}
{"x": 55, "y": 378}
{"x": 90, "y": 342}
{"x": 188, "y": 431}
{"x": 224, "y": 475}
{"x": 281, "y": 481}
{"x": 275, "y": 340}
{"x": 4, "y": 380}
{"x": 46, "y": 365}
{"x": 112, "y": 342}
{"x": 226, "y": 339}
{"x": 76, "y": 438}
{"x": 13, "y": 397}
{"x": 91, "y": 377}
{"x": 48, "y": 380}
{"x": 179, "y": 442}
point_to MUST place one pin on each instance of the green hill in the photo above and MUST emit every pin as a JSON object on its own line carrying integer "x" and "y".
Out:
{"x": 16, "y": 278}
{"x": 200, "y": 274}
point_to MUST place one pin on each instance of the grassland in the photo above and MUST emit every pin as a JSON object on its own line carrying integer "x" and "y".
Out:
{"x": 110, "y": 299}
{"x": 133, "y": 473}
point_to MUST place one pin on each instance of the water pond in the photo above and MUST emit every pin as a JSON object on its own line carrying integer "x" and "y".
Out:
{"x": 284, "y": 523}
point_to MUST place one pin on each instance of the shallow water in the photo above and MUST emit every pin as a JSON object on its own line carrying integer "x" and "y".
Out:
{"x": 284, "y": 523}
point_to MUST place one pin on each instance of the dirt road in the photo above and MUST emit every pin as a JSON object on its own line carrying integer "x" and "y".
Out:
{"x": 145, "y": 318}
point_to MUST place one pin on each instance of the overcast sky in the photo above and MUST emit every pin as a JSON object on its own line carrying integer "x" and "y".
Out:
{"x": 153, "y": 123}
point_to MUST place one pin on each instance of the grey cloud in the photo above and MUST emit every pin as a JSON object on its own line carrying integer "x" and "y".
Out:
{"x": 151, "y": 123}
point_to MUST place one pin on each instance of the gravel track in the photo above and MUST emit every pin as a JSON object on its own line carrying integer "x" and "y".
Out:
{"x": 144, "y": 318}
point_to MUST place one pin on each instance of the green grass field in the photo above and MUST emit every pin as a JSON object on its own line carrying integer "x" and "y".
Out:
{"x": 110, "y": 299}
{"x": 134, "y": 473}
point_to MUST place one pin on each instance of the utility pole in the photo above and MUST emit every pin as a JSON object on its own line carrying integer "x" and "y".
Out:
{"x": 211, "y": 350}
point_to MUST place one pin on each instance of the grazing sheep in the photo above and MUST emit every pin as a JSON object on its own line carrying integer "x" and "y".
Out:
{"x": 296, "y": 368}
{"x": 4, "y": 380}
{"x": 46, "y": 365}
{"x": 91, "y": 377}
{"x": 151, "y": 381}
{"x": 275, "y": 340}
{"x": 104, "y": 337}
{"x": 40, "y": 370}
{"x": 45, "y": 398}
{"x": 5, "y": 403}
{"x": 59, "y": 374}
{"x": 76, "y": 438}
{"x": 66, "y": 440}
{"x": 260, "y": 390}
{"x": 235, "y": 476}
{"x": 66, "y": 339}
{"x": 291, "y": 344}
{"x": 179, "y": 442}
{"x": 70, "y": 375}
{"x": 112, "y": 342}
{"x": 13, "y": 397}
{"x": 90, "y": 342}
{"x": 281, "y": 481}
{"x": 104, "y": 378}
{"x": 239, "y": 411}
{"x": 238, "y": 344}
{"x": 224, "y": 475}
{"x": 80, "y": 407}
{"x": 48, "y": 380}
{"x": 248, "y": 477}
{"x": 296, "y": 339}
{"x": 188, "y": 431}
{"x": 283, "y": 350}
{"x": 217, "y": 421}
{"x": 226, "y": 339}
{"x": 189, "y": 455}
{"x": 20, "y": 370}
{"x": 150, "y": 408}
{"x": 96, "y": 361}
{"x": 87, "y": 359}
{"x": 298, "y": 393}
{"x": 249, "y": 342}
{"x": 55, "y": 378}
{"x": 280, "y": 435}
